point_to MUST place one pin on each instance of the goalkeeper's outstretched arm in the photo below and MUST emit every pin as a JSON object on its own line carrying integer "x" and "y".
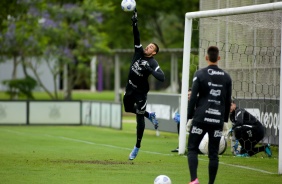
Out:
{"x": 136, "y": 33}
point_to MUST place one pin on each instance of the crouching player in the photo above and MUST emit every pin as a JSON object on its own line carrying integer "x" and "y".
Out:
{"x": 248, "y": 131}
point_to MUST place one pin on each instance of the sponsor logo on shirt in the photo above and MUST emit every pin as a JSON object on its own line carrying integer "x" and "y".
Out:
{"x": 196, "y": 130}
{"x": 212, "y": 120}
{"x": 213, "y": 111}
{"x": 136, "y": 68}
{"x": 215, "y": 85}
{"x": 214, "y": 101}
{"x": 214, "y": 72}
{"x": 217, "y": 133}
{"x": 214, "y": 92}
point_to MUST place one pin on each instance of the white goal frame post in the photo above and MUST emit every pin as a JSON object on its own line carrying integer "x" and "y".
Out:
{"x": 186, "y": 63}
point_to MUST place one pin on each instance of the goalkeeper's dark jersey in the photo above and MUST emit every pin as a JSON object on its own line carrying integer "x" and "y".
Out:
{"x": 211, "y": 96}
{"x": 241, "y": 117}
{"x": 138, "y": 74}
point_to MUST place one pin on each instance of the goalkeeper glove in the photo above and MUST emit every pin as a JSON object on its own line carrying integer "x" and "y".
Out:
{"x": 225, "y": 129}
{"x": 134, "y": 17}
{"x": 188, "y": 125}
{"x": 177, "y": 118}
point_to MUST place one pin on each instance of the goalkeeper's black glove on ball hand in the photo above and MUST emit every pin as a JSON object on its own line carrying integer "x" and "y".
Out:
{"x": 134, "y": 17}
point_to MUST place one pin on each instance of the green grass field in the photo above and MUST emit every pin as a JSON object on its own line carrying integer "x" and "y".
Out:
{"x": 86, "y": 154}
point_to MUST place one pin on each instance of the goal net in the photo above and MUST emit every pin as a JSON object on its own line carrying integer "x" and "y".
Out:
{"x": 249, "y": 39}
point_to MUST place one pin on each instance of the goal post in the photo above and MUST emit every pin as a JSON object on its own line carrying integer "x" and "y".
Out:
{"x": 247, "y": 57}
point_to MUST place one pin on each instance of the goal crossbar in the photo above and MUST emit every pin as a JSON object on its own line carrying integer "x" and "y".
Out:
{"x": 186, "y": 63}
{"x": 235, "y": 10}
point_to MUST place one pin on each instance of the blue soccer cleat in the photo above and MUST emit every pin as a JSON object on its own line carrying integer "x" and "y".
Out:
{"x": 153, "y": 119}
{"x": 133, "y": 153}
{"x": 268, "y": 150}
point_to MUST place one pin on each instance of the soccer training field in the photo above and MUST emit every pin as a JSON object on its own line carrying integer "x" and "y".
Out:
{"x": 85, "y": 154}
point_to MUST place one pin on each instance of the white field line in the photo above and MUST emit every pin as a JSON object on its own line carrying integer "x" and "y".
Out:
{"x": 117, "y": 147}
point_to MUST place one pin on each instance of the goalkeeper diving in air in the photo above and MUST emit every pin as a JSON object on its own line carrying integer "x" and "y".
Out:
{"x": 248, "y": 131}
{"x": 142, "y": 66}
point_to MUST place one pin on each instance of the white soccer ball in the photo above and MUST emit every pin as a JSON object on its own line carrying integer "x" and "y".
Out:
{"x": 162, "y": 179}
{"x": 128, "y": 5}
{"x": 203, "y": 147}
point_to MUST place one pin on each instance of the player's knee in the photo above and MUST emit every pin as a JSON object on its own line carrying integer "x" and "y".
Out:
{"x": 192, "y": 153}
{"x": 140, "y": 112}
{"x": 140, "y": 124}
{"x": 192, "y": 150}
{"x": 140, "y": 120}
{"x": 213, "y": 155}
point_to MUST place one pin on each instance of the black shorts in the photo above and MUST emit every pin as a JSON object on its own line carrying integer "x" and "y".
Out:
{"x": 196, "y": 134}
{"x": 132, "y": 98}
{"x": 249, "y": 132}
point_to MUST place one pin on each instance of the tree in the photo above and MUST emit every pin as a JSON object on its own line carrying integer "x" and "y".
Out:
{"x": 160, "y": 22}
{"x": 10, "y": 8}
{"x": 74, "y": 36}
{"x": 67, "y": 33}
{"x": 17, "y": 42}
{"x": 64, "y": 34}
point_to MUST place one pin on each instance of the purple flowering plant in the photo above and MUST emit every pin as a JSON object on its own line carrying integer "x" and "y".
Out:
{"x": 68, "y": 32}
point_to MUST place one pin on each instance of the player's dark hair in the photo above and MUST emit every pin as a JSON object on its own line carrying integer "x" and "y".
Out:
{"x": 213, "y": 53}
{"x": 157, "y": 47}
{"x": 233, "y": 100}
